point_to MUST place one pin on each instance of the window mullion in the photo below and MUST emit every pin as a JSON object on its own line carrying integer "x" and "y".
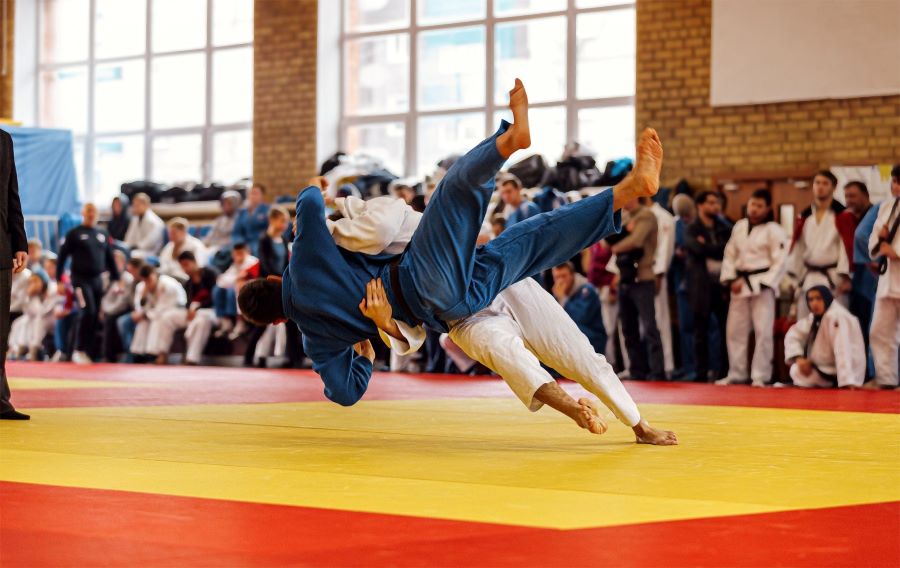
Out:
{"x": 206, "y": 140}
{"x": 489, "y": 70}
{"x": 148, "y": 113}
{"x": 571, "y": 66}
{"x": 411, "y": 131}
{"x": 89, "y": 189}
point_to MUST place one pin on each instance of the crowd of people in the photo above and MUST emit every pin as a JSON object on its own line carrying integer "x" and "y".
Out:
{"x": 682, "y": 293}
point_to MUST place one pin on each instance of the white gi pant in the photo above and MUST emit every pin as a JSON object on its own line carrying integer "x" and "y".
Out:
{"x": 609, "y": 311}
{"x": 664, "y": 324}
{"x": 746, "y": 313}
{"x": 813, "y": 380}
{"x": 271, "y": 343}
{"x": 884, "y": 338}
{"x": 29, "y": 331}
{"x": 155, "y": 336}
{"x": 462, "y": 361}
{"x": 524, "y": 326}
{"x": 197, "y": 333}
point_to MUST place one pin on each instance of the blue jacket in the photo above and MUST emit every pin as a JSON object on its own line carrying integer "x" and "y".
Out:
{"x": 549, "y": 199}
{"x": 249, "y": 228}
{"x": 583, "y": 306}
{"x": 526, "y": 210}
{"x": 321, "y": 290}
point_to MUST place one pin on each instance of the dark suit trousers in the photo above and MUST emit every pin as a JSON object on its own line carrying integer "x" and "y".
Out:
{"x": 5, "y": 292}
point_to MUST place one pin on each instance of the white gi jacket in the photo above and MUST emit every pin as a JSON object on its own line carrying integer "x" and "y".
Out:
{"x": 756, "y": 255}
{"x": 228, "y": 279}
{"x": 665, "y": 239}
{"x": 169, "y": 294}
{"x": 838, "y": 348}
{"x": 168, "y": 263}
{"x": 819, "y": 245}
{"x": 889, "y": 282}
{"x": 18, "y": 294}
{"x": 145, "y": 233}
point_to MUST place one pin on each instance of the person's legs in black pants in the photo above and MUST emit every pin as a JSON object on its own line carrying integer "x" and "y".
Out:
{"x": 91, "y": 291}
{"x": 253, "y": 337}
{"x": 5, "y": 291}
{"x": 643, "y": 296}
{"x": 294, "y": 350}
{"x": 112, "y": 343}
{"x": 701, "y": 311}
{"x": 631, "y": 331}
{"x": 720, "y": 310}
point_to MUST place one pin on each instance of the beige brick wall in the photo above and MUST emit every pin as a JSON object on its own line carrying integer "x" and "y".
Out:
{"x": 673, "y": 59}
{"x": 284, "y": 91}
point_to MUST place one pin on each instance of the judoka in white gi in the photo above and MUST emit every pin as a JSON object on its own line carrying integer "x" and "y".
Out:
{"x": 826, "y": 348}
{"x": 523, "y": 327}
{"x": 27, "y": 333}
{"x": 753, "y": 266}
{"x": 155, "y": 296}
{"x": 884, "y": 335}
{"x": 665, "y": 252}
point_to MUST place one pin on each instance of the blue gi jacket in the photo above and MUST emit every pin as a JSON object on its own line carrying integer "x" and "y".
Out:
{"x": 526, "y": 210}
{"x": 249, "y": 228}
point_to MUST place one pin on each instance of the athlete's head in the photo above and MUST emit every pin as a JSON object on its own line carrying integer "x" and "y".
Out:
{"x": 260, "y": 301}
{"x": 759, "y": 206}
{"x": 511, "y": 190}
{"x": 856, "y": 197}
{"x": 824, "y": 184}
{"x": 818, "y": 298}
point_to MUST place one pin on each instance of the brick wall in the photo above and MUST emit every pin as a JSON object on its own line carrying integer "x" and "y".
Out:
{"x": 284, "y": 91}
{"x": 6, "y": 79}
{"x": 673, "y": 60}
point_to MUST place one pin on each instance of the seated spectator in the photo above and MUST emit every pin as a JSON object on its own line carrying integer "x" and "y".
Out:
{"x": 120, "y": 219}
{"x": 117, "y": 302}
{"x": 19, "y": 293}
{"x": 35, "y": 254}
{"x": 180, "y": 241}
{"x": 156, "y": 298}
{"x": 26, "y": 336}
{"x": 498, "y": 225}
{"x": 402, "y": 191}
{"x": 200, "y": 318}
{"x": 244, "y": 266}
{"x": 65, "y": 312}
{"x": 511, "y": 194}
{"x": 219, "y": 237}
{"x": 582, "y": 302}
{"x": 253, "y": 219}
{"x": 550, "y": 198}
{"x": 145, "y": 231}
{"x": 273, "y": 250}
{"x": 125, "y": 325}
{"x": 826, "y": 348}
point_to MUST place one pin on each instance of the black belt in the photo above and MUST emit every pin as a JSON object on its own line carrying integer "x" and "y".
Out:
{"x": 820, "y": 269}
{"x": 828, "y": 377}
{"x": 746, "y": 274}
{"x": 398, "y": 293}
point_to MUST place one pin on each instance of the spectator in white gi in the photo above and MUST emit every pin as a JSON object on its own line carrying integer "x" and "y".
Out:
{"x": 157, "y": 299}
{"x": 118, "y": 301}
{"x": 665, "y": 252}
{"x": 145, "y": 231}
{"x": 180, "y": 241}
{"x": 26, "y": 336}
{"x": 244, "y": 266}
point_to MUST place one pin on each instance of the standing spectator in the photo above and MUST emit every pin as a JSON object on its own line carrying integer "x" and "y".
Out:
{"x": 865, "y": 281}
{"x": 685, "y": 212}
{"x": 180, "y": 241}
{"x": 156, "y": 298}
{"x": 753, "y": 267}
{"x": 705, "y": 241}
{"x": 219, "y": 236}
{"x": 200, "y": 316}
{"x": 92, "y": 255}
{"x": 817, "y": 254}
{"x": 117, "y": 302}
{"x": 511, "y": 194}
{"x": 253, "y": 219}
{"x": 885, "y": 246}
{"x": 582, "y": 302}
{"x": 120, "y": 219}
{"x": 594, "y": 262}
{"x": 826, "y": 348}
{"x": 243, "y": 266}
{"x": 635, "y": 257}
{"x": 145, "y": 231}
{"x": 549, "y": 199}
{"x": 665, "y": 251}
{"x": 13, "y": 259}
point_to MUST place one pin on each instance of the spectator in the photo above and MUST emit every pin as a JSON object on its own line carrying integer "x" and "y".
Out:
{"x": 180, "y": 241}
{"x": 28, "y": 332}
{"x": 582, "y": 302}
{"x": 219, "y": 237}
{"x": 753, "y": 267}
{"x": 200, "y": 317}
{"x": 705, "y": 241}
{"x": 145, "y": 231}
{"x": 157, "y": 298}
{"x": 273, "y": 250}
{"x": 120, "y": 219}
{"x": 117, "y": 302}
{"x": 685, "y": 212}
{"x": 498, "y": 225}
{"x": 665, "y": 251}
{"x": 549, "y": 199}
{"x": 817, "y": 254}
{"x": 92, "y": 255}
{"x": 594, "y": 262}
{"x": 635, "y": 256}
{"x": 19, "y": 292}
{"x": 253, "y": 219}
{"x": 826, "y": 348}
{"x": 511, "y": 194}
{"x": 65, "y": 312}
{"x": 402, "y": 191}
{"x": 243, "y": 266}
{"x": 125, "y": 324}
{"x": 35, "y": 254}
{"x": 885, "y": 247}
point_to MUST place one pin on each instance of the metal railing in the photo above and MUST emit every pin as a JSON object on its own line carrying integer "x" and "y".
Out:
{"x": 45, "y": 228}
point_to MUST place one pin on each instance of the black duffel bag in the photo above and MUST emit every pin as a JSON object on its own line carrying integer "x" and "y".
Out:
{"x": 530, "y": 171}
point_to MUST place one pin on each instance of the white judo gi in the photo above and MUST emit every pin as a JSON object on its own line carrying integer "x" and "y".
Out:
{"x": 36, "y": 321}
{"x": 818, "y": 258}
{"x": 756, "y": 257}
{"x": 154, "y": 334}
{"x": 884, "y": 335}
{"x": 838, "y": 349}
{"x": 522, "y": 327}
{"x": 665, "y": 251}
{"x": 145, "y": 234}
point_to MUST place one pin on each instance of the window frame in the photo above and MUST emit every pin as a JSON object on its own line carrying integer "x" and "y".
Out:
{"x": 411, "y": 116}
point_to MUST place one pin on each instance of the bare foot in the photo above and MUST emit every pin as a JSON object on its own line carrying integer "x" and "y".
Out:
{"x": 646, "y": 434}
{"x": 643, "y": 181}
{"x": 518, "y": 135}
{"x": 589, "y": 417}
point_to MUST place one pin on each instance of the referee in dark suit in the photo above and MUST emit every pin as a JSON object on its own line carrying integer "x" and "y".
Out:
{"x": 13, "y": 258}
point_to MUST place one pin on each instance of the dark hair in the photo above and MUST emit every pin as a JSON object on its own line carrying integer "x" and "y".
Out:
{"x": 261, "y": 187}
{"x": 187, "y": 255}
{"x": 418, "y": 203}
{"x": 858, "y": 185}
{"x": 827, "y": 175}
{"x": 240, "y": 245}
{"x": 510, "y": 178}
{"x": 567, "y": 265}
{"x": 136, "y": 262}
{"x": 147, "y": 270}
{"x": 260, "y": 301}
{"x": 704, "y": 195}
{"x": 498, "y": 220}
{"x": 895, "y": 171}
{"x": 764, "y": 194}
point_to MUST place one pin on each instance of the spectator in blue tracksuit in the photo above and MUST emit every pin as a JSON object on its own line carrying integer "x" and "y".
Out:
{"x": 582, "y": 302}
{"x": 253, "y": 220}
{"x": 511, "y": 194}
{"x": 549, "y": 199}
{"x": 441, "y": 277}
{"x": 865, "y": 280}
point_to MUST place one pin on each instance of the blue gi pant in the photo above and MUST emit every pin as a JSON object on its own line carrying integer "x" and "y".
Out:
{"x": 444, "y": 277}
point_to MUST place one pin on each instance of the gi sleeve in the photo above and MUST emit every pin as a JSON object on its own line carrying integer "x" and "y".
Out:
{"x": 345, "y": 374}
{"x": 413, "y": 339}
{"x": 778, "y": 253}
{"x": 795, "y": 339}
{"x": 64, "y": 252}
{"x": 729, "y": 258}
{"x": 846, "y": 342}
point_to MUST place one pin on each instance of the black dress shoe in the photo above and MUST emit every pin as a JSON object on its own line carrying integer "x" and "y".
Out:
{"x": 13, "y": 415}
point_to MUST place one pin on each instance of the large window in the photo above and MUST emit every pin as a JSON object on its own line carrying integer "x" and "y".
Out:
{"x": 151, "y": 89}
{"x": 423, "y": 79}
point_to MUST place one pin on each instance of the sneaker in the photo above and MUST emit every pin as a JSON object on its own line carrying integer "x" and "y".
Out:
{"x": 731, "y": 381}
{"x": 81, "y": 358}
{"x": 624, "y": 375}
{"x": 57, "y": 357}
